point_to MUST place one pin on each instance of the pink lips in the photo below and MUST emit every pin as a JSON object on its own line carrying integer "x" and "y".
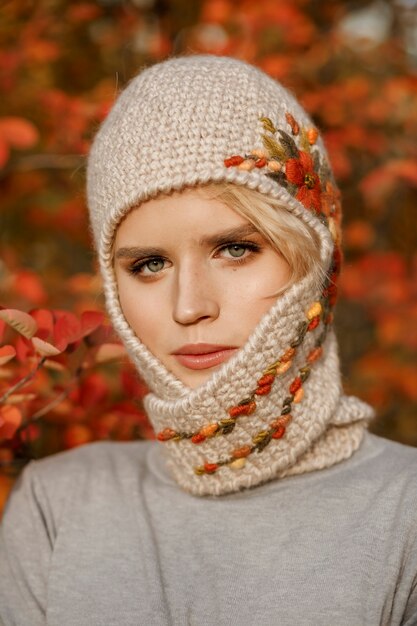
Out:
{"x": 200, "y": 356}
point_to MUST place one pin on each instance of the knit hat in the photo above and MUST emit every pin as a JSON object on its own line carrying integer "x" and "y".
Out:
{"x": 276, "y": 407}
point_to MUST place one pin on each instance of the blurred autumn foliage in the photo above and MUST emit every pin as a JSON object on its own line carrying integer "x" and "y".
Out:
{"x": 353, "y": 64}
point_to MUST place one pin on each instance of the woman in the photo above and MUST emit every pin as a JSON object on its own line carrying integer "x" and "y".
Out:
{"x": 263, "y": 500}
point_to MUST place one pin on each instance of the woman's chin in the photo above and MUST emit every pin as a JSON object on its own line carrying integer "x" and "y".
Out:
{"x": 196, "y": 378}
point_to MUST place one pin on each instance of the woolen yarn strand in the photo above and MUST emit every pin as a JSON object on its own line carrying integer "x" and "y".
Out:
{"x": 277, "y": 407}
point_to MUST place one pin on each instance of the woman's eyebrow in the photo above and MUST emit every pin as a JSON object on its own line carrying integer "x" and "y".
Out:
{"x": 135, "y": 252}
{"x": 226, "y": 236}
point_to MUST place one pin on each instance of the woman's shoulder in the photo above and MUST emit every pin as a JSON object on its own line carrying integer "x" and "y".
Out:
{"x": 61, "y": 477}
{"x": 98, "y": 457}
{"x": 390, "y": 455}
{"x": 382, "y": 470}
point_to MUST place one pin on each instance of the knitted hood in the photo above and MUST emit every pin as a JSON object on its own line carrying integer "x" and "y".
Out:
{"x": 276, "y": 407}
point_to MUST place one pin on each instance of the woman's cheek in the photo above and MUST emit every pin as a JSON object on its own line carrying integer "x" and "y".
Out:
{"x": 145, "y": 309}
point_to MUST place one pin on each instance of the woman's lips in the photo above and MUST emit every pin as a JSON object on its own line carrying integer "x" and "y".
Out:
{"x": 203, "y": 355}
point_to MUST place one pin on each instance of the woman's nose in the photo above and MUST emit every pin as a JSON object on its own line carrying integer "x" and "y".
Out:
{"x": 195, "y": 297}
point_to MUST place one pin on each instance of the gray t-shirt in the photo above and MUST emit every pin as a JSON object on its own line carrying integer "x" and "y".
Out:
{"x": 102, "y": 536}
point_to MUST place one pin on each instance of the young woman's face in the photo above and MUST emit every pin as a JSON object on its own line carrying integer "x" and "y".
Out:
{"x": 194, "y": 279}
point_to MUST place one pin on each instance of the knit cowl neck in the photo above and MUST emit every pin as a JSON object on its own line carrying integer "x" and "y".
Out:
{"x": 275, "y": 409}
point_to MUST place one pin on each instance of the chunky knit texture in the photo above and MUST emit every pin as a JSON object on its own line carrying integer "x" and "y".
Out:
{"x": 200, "y": 119}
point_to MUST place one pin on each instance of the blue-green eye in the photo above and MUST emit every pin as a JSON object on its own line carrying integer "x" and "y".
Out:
{"x": 154, "y": 265}
{"x": 239, "y": 250}
{"x": 148, "y": 267}
{"x": 236, "y": 250}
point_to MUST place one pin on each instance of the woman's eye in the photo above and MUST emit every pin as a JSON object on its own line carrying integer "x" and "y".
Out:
{"x": 155, "y": 265}
{"x": 236, "y": 250}
{"x": 147, "y": 268}
{"x": 239, "y": 250}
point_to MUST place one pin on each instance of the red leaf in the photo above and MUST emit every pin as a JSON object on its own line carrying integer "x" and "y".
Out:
{"x": 102, "y": 334}
{"x": 24, "y": 349}
{"x": 90, "y": 320}
{"x": 132, "y": 385}
{"x": 31, "y": 432}
{"x": 67, "y": 329}
{"x": 2, "y": 329}
{"x": 45, "y": 321}
{"x": 10, "y": 420}
{"x": 94, "y": 390}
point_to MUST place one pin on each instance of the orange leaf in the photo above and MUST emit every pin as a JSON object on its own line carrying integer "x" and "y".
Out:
{"x": 28, "y": 285}
{"x": 216, "y": 11}
{"x": 18, "y": 132}
{"x": 381, "y": 181}
{"x": 76, "y": 435}
{"x": 359, "y": 234}
{"x": 109, "y": 352}
{"x": 10, "y": 419}
{"x": 42, "y": 51}
{"x": 54, "y": 365}
{"x": 17, "y": 398}
{"x": 4, "y": 152}
{"x": 20, "y": 321}
{"x": 6, "y": 354}
{"x": 6, "y": 484}
{"x": 44, "y": 348}
{"x": 82, "y": 12}
{"x": 277, "y": 65}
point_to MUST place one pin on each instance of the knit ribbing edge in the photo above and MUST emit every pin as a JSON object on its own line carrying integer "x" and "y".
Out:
{"x": 341, "y": 439}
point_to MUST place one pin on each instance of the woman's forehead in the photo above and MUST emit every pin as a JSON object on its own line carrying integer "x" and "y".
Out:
{"x": 183, "y": 213}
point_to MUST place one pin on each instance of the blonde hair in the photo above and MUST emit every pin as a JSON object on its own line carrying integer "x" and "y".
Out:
{"x": 298, "y": 244}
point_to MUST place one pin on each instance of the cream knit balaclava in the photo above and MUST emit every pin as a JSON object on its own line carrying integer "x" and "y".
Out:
{"x": 276, "y": 408}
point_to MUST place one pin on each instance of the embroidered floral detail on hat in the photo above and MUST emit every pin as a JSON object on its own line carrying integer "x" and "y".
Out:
{"x": 299, "y": 169}
{"x": 301, "y": 173}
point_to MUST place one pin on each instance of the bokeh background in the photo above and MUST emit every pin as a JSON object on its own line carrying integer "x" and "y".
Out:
{"x": 353, "y": 64}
